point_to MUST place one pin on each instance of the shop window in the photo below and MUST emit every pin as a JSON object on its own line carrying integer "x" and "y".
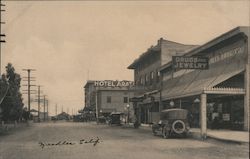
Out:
{"x": 108, "y": 99}
{"x": 155, "y": 107}
{"x": 125, "y": 99}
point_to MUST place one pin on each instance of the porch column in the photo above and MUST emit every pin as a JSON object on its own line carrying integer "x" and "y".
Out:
{"x": 203, "y": 112}
{"x": 246, "y": 97}
{"x": 96, "y": 107}
{"x": 139, "y": 114}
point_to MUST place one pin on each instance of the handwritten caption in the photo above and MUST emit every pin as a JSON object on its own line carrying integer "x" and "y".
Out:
{"x": 93, "y": 141}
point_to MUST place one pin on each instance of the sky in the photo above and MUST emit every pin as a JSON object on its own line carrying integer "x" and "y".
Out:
{"x": 70, "y": 42}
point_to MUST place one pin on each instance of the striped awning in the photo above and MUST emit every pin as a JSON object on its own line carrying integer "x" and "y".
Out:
{"x": 196, "y": 82}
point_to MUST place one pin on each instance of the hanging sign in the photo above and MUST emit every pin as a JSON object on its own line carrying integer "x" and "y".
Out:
{"x": 193, "y": 62}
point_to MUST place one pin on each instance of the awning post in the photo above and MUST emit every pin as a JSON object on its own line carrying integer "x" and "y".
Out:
{"x": 203, "y": 112}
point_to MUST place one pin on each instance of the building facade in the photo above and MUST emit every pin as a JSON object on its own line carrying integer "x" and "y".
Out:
{"x": 105, "y": 97}
{"x": 217, "y": 97}
{"x": 147, "y": 78}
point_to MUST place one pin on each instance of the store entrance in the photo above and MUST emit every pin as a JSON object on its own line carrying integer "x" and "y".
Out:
{"x": 225, "y": 112}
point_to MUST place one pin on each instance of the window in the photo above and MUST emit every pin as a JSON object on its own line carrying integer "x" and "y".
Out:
{"x": 125, "y": 99}
{"x": 152, "y": 75}
{"x": 146, "y": 79}
{"x": 141, "y": 80}
{"x": 108, "y": 99}
{"x": 158, "y": 76}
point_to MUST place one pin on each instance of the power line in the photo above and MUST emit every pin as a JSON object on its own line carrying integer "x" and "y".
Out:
{"x": 29, "y": 85}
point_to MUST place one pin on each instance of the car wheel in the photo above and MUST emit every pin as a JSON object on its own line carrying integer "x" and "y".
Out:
{"x": 178, "y": 126}
{"x": 165, "y": 133}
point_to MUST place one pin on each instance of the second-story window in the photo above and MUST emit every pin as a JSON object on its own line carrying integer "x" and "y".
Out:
{"x": 108, "y": 99}
{"x": 158, "y": 76}
{"x": 125, "y": 99}
{"x": 152, "y": 75}
{"x": 146, "y": 79}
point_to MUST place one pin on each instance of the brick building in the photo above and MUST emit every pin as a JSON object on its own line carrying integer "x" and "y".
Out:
{"x": 147, "y": 77}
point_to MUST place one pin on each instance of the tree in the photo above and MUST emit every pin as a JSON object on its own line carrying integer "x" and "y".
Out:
{"x": 12, "y": 105}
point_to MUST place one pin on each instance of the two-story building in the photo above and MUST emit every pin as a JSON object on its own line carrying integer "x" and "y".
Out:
{"x": 105, "y": 97}
{"x": 217, "y": 97}
{"x": 147, "y": 78}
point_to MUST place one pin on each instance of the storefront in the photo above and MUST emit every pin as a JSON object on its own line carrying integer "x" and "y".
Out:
{"x": 109, "y": 96}
{"x": 217, "y": 97}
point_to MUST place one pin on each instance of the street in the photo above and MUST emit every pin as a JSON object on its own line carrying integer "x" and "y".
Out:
{"x": 68, "y": 140}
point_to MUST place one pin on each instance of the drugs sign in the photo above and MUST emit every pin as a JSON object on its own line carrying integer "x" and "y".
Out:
{"x": 194, "y": 62}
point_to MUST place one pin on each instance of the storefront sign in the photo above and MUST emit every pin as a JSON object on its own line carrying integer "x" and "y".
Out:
{"x": 194, "y": 62}
{"x": 220, "y": 55}
{"x": 108, "y": 83}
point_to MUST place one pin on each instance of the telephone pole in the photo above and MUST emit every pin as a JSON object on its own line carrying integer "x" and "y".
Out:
{"x": 1, "y": 35}
{"x": 44, "y": 105}
{"x": 29, "y": 85}
{"x": 47, "y": 103}
{"x": 38, "y": 101}
{"x": 56, "y": 109}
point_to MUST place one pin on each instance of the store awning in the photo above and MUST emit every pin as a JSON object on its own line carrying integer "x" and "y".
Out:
{"x": 196, "y": 82}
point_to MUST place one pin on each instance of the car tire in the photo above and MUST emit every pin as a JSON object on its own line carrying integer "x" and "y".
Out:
{"x": 165, "y": 133}
{"x": 177, "y": 130}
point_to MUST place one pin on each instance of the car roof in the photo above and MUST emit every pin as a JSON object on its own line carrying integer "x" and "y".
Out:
{"x": 118, "y": 113}
{"x": 175, "y": 109}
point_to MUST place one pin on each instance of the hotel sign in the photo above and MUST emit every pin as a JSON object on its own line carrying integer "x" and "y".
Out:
{"x": 109, "y": 83}
{"x": 194, "y": 62}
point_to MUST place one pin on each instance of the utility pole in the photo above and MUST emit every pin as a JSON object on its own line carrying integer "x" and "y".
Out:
{"x": 44, "y": 105}
{"x": 38, "y": 101}
{"x": 56, "y": 109}
{"x": 47, "y": 103}
{"x": 29, "y": 85}
{"x": 1, "y": 35}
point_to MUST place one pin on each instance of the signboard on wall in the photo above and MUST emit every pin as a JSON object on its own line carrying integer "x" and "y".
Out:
{"x": 194, "y": 62}
{"x": 110, "y": 83}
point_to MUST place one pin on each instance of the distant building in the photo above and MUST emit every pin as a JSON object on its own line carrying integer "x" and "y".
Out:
{"x": 63, "y": 116}
{"x": 147, "y": 77}
{"x": 104, "y": 97}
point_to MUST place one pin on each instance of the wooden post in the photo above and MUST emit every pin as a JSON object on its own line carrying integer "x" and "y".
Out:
{"x": 203, "y": 119}
{"x": 247, "y": 94}
{"x": 96, "y": 107}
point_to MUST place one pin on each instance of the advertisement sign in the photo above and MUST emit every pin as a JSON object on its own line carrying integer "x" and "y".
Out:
{"x": 194, "y": 62}
{"x": 109, "y": 83}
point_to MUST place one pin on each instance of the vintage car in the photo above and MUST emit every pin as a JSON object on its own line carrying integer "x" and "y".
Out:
{"x": 115, "y": 118}
{"x": 173, "y": 122}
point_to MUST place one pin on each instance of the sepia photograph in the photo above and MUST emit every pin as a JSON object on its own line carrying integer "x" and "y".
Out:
{"x": 124, "y": 79}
